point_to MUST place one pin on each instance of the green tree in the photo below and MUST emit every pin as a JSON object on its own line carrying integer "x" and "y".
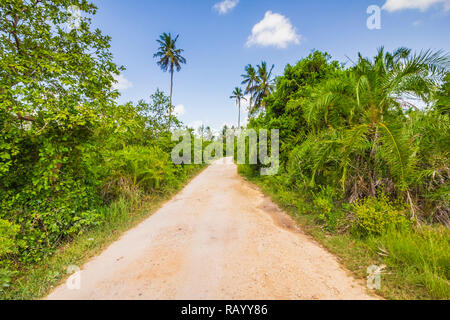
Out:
{"x": 293, "y": 90}
{"x": 157, "y": 112}
{"x": 54, "y": 81}
{"x": 56, "y": 87}
{"x": 238, "y": 95}
{"x": 209, "y": 134}
{"x": 170, "y": 59}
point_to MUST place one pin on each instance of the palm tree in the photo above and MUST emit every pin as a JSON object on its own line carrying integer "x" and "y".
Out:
{"x": 239, "y": 96}
{"x": 201, "y": 130}
{"x": 264, "y": 86}
{"x": 250, "y": 80}
{"x": 358, "y": 116}
{"x": 170, "y": 58}
{"x": 209, "y": 134}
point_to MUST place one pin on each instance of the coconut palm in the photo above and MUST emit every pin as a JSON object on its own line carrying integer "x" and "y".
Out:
{"x": 264, "y": 86}
{"x": 170, "y": 59}
{"x": 239, "y": 96}
{"x": 250, "y": 81}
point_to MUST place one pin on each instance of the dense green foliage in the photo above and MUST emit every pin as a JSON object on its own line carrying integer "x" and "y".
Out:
{"x": 353, "y": 130}
{"x": 67, "y": 149}
{"x": 356, "y": 151}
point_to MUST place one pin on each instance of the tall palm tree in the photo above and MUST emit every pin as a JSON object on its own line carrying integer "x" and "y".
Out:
{"x": 250, "y": 80}
{"x": 170, "y": 59}
{"x": 239, "y": 96}
{"x": 264, "y": 86}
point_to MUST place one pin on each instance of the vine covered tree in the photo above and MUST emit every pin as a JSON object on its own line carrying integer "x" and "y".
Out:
{"x": 55, "y": 81}
{"x": 56, "y": 87}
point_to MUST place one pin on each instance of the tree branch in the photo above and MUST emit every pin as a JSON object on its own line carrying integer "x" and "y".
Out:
{"x": 25, "y": 118}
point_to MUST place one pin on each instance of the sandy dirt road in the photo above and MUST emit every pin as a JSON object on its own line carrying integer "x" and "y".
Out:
{"x": 220, "y": 238}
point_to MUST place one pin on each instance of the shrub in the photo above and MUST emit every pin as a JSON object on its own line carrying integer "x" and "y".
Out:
{"x": 8, "y": 232}
{"x": 248, "y": 170}
{"x": 324, "y": 203}
{"x": 139, "y": 169}
{"x": 49, "y": 216}
{"x": 376, "y": 215}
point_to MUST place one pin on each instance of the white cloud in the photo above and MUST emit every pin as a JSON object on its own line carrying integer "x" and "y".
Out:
{"x": 422, "y": 5}
{"x": 122, "y": 83}
{"x": 225, "y": 6}
{"x": 179, "y": 110}
{"x": 274, "y": 30}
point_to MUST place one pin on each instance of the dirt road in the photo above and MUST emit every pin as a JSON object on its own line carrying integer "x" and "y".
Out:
{"x": 220, "y": 238}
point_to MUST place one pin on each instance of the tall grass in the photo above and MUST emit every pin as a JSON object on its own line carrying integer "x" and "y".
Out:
{"x": 421, "y": 256}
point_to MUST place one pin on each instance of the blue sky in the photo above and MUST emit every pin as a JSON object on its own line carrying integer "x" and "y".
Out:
{"x": 217, "y": 38}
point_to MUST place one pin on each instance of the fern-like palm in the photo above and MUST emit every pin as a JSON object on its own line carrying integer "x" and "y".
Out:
{"x": 360, "y": 111}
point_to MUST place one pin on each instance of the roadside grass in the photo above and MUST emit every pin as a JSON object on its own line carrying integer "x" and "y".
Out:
{"x": 417, "y": 261}
{"x": 37, "y": 280}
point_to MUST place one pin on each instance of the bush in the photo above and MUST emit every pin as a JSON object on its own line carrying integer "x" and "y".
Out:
{"x": 49, "y": 216}
{"x": 136, "y": 169}
{"x": 324, "y": 203}
{"x": 248, "y": 170}
{"x": 8, "y": 233}
{"x": 376, "y": 215}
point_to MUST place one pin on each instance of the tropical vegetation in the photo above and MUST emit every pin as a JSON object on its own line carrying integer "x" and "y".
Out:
{"x": 364, "y": 151}
{"x": 70, "y": 155}
{"x": 365, "y": 158}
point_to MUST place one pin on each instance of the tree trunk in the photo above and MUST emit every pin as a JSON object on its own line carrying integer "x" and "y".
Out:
{"x": 171, "y": 92}
{"x": 239, "y": 119}
{"x": 250, "y": 107}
